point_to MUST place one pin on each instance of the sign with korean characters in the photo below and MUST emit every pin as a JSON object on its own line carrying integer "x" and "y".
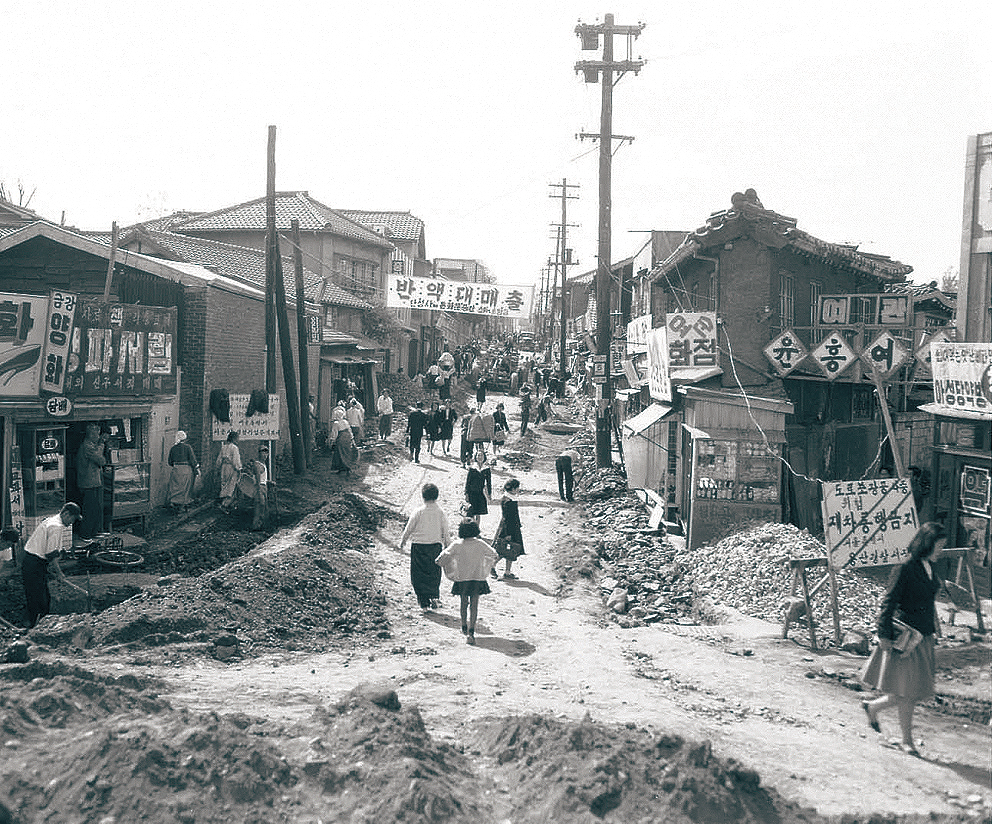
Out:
{"x": 692, "y": 339}
{"x": 961, "y": 376}
{"x": 872, "y": 310}
{"x": 659, "y": 375}
{"x": 260, "y": 426}
{"x": 974, "y": 495}
{"x": 17, "y": 519}
{"x": 868, "y": 523}
{"x": 785, "y": 353}
{"x": 637, "y": 334}
{"x": 885, "y": 354}
{"x": 121, "y": 349}
{"x": 58, "y": 338}
{"x": 22, "y": 339}
{"x": 833, "y": 355}
{"x": 495, "y": 299}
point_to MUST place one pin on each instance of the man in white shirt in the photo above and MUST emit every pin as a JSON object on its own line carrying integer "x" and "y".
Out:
{"x": 355, "y": 413}
{"x": 384, "y": 406}
{"x": 41, "y": 548}
{"x": 428, "y": 533}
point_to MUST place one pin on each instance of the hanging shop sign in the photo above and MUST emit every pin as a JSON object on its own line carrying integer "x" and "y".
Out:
{"x": 885, "y": 355}
{"x": 637, "y": 334}
{"x": 868, "y": 523}
{"x": 659, "y": 373}
{"x": 692, "y": 339}
{"x": 58, "y": 339}
{"x": 122, "y": 349}
{"x": 962, "y": 373}
{"x": 314, "y": 330}
{"x": 785, "y": 353}
{"x": 494, "y": 299}
{"x": 974, "y": 496}
{"x": 58, "y": 406}
{"x": 872, "y": 310}
{"x": 16, "y": 492}
{"x": 259, "y": 426}
{"x": 833, "y": 355}
{"x": 22, "y": 339}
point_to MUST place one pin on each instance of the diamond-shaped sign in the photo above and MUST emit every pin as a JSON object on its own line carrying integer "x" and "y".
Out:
{"x": 885, "y": 354}
{"x": 833, "y": 355}
{"x": 785, "y": 353}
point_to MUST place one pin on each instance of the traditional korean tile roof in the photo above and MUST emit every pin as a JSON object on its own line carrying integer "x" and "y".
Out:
{"x": 242, "y": 263}
{"x": 400, "y": 225}
{"x": 313, "y": 216}
{"x": 749, "y": 217}
{"x": 923, "y": 292}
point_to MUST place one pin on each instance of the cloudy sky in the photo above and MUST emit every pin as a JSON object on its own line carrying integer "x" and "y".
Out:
{"x": 852, "y": 117}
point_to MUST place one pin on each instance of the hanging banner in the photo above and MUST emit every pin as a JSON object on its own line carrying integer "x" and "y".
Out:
{"x": 637, "y": 334}
{"x": 494, "y": 299}
{"x": 692, "y": 339}
{"x": 659, "y": 374}
{"x": 868, "y": 523}
{"x": 122, "y": 349}
{"x": 961, "y": 376}
{"x": 785, "y": 353}
{"x": 22, "y": 338}
{"x": 260, "y": 426}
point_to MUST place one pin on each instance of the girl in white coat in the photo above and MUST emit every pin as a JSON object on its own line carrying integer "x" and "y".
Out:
{"x": 467, "y": 563}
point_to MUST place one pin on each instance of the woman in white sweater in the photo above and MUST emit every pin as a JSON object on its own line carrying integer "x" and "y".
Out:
{"x": 467, "y": 563}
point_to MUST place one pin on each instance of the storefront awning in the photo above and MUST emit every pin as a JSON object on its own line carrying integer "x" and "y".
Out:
{"x": 346, "y": 359}
{"x": 694, "y": 374}
{"x": 642, "y": 420}
{"x": 698, "y": 434}
{"x": 966, "y": 414}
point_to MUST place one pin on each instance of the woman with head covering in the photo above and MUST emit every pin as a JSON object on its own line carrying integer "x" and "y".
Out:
{"x": 184, "y": 472}
{"x": 229, "y": 464}
{"x": 344, "y": 453}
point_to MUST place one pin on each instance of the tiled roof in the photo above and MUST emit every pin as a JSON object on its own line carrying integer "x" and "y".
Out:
{"x": 12, "y": 213}
{"x": 248, "y": 265}
{"x": 922, "y": 292}
{"x": 748, "y": 216}
{"x": 313, "y": 216}
{"x": 401, "y": 225}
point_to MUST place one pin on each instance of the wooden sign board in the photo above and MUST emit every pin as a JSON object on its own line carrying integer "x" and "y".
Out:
{"x": 868, "y": 523}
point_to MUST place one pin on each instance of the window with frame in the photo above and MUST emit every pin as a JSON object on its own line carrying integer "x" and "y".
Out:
{"x": 786, "y": 298}
{"x": 331, "y": 316}
{"x": 815, "y": 290}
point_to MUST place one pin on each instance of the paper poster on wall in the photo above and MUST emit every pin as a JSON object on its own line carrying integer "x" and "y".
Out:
{"x": 868, "y": 523}
{"x": 961, "y": 376}
{"x": 260, "y": 426}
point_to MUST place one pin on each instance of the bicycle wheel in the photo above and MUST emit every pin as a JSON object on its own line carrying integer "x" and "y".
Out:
{"x": 120, "y": 558}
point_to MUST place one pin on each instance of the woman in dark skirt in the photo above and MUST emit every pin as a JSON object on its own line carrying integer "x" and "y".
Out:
{"x": 907, "y": 677}
{"x": 467, "y": 563}
{"x": 480, "y": 391}
{"x": 478, "y": 487}
{"x": 446, "y": 428}
{"x": 509, "y": 541}
{"x": 433, "y": 426}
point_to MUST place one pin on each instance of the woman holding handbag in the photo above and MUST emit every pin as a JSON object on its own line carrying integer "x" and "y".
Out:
{"x": 902, "y": 665}
{"x": 509, "y": 541}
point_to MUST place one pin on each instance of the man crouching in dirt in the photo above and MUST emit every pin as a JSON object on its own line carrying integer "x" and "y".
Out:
{"x": 41, "y": 549}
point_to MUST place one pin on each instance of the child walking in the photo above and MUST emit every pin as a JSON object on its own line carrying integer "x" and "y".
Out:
{"x": 467, "y": 562}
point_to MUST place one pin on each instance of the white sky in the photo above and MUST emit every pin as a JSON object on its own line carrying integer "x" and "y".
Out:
{"x": 850, "y": 116}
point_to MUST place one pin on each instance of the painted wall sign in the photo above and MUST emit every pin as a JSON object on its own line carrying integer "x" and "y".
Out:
{"x": 22, "y": 339}
{"x": 868, "y": 523}
{"x": 872, "y": 310}
{"x": 494, "y": 299}
{"x": 659, "y": 375}
{"x": 58, "y": 339}
{"x": 692, "y": 339}
{"x": 58, "y": 406}
{"x": 122, "y": 349}
{"x": 785, "y": 353}
{"x": 261, "y": 426}
{"x": 962, "y": 373}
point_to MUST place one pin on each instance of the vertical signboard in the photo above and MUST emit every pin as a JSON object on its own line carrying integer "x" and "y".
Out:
{"x": 692, "y": 339}
{"x": 637, "y": 334}
{"x": 58, "y": 337}
{"x": 659, "y": 375}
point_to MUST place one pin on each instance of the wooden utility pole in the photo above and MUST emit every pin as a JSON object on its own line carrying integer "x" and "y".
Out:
{"x": 563, "y": 257}
{"x": 302, "y": 341}
{"x": 110, "y": 266}
{"x": 289, "y": 371}
{"x": 602, "y": 71}
{"x": 271, "y": 255}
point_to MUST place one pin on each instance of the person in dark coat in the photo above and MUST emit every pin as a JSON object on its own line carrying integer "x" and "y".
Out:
{"x": 466, "y": 444}
{"x": 907, "y": 677}
{"x": 501, "y": 427}
{"x": 446, "y": 429}
{"x": 433, "y": 427}
{"x": 480, "y": 391}
{"x": 509, "y": 541}
{"x": 478, "y": 487}
{"x": 525, "y": 403}
{"x": 416, "y": 423}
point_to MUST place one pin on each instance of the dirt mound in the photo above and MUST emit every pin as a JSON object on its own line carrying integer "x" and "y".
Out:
{"x": 295, "y": 591}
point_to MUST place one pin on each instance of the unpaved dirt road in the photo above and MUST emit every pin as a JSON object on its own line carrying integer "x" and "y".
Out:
{"x": 544, "y": 648}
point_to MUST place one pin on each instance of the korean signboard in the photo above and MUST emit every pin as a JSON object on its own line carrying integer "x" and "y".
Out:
{"x": 58, "y": 338}
{"x": 974, "y": 496}
{"x": 659, "y": 376}
{"x": 961, "y": 376}
{"x": 22, "y": 339}
{"x": 785, "y": 353}
{"x": 868, "y": 523}
{"x": 260, "y": 426}
{"x": 833, "y": 355}
{"x": 692, "y": 339}
{"x": 637, "y": 334}
{"x": 885, "y": 355}
{"x": 871, "y": 310}
{"x": 495, "y": 299}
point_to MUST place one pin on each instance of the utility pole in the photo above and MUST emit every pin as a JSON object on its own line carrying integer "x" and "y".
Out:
{"x": 563, "y": 258}
{"x": 601, "y": 71}
{"x": 271, "y": 253}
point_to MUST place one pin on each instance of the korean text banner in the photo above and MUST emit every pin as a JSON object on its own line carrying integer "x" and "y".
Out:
{"x": 259, "y": 426}
{"x": 961, "y": 376}
{"x": 496, "y": 299}
{"x": 22, "y": 338}
{"x": 121, "y": 349}
{"x": 868, "y": 523}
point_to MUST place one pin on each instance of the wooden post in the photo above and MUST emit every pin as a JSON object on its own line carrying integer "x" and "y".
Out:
{"x": 834, "y": 604}
{"x": 302, "y": 342}
{"x": 884, "y": 406}
{"x": 289, "y": 371}
{"x": 110, "y": 265}
{"x": 271, "y": 255}
{"x": 809, "y": 608}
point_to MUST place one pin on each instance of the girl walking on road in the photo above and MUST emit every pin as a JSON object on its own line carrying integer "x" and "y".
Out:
{"x": 906, "y": 676}
{"x": 478, "y": 487}
{"x": 427, "y": 531}
{"x": 467, "y": 563}
{"x": 509, "y": 540}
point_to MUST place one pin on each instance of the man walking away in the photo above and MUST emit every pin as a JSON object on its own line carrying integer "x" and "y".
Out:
{"x": 416, "y": 423}
{"x": 384, "y": 406}
{"x": 428, "y": 533}
{"x": 564, "y": 464}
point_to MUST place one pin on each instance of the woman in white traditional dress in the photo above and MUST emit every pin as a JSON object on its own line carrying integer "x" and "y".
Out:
{"x": 229, "y": 464}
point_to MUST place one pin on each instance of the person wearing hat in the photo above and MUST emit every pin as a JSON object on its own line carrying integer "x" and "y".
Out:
{"x": 184, "y": 472}
{"x": 42, "y": 548}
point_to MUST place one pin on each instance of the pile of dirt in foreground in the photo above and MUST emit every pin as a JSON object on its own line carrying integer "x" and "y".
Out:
{"x": 124, "y": 754}
{"x": 296, "y": 591}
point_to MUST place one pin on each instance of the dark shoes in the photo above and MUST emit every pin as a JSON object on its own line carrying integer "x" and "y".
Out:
{"x": 872, "y": 721}
{"x": 471, "y": 638}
